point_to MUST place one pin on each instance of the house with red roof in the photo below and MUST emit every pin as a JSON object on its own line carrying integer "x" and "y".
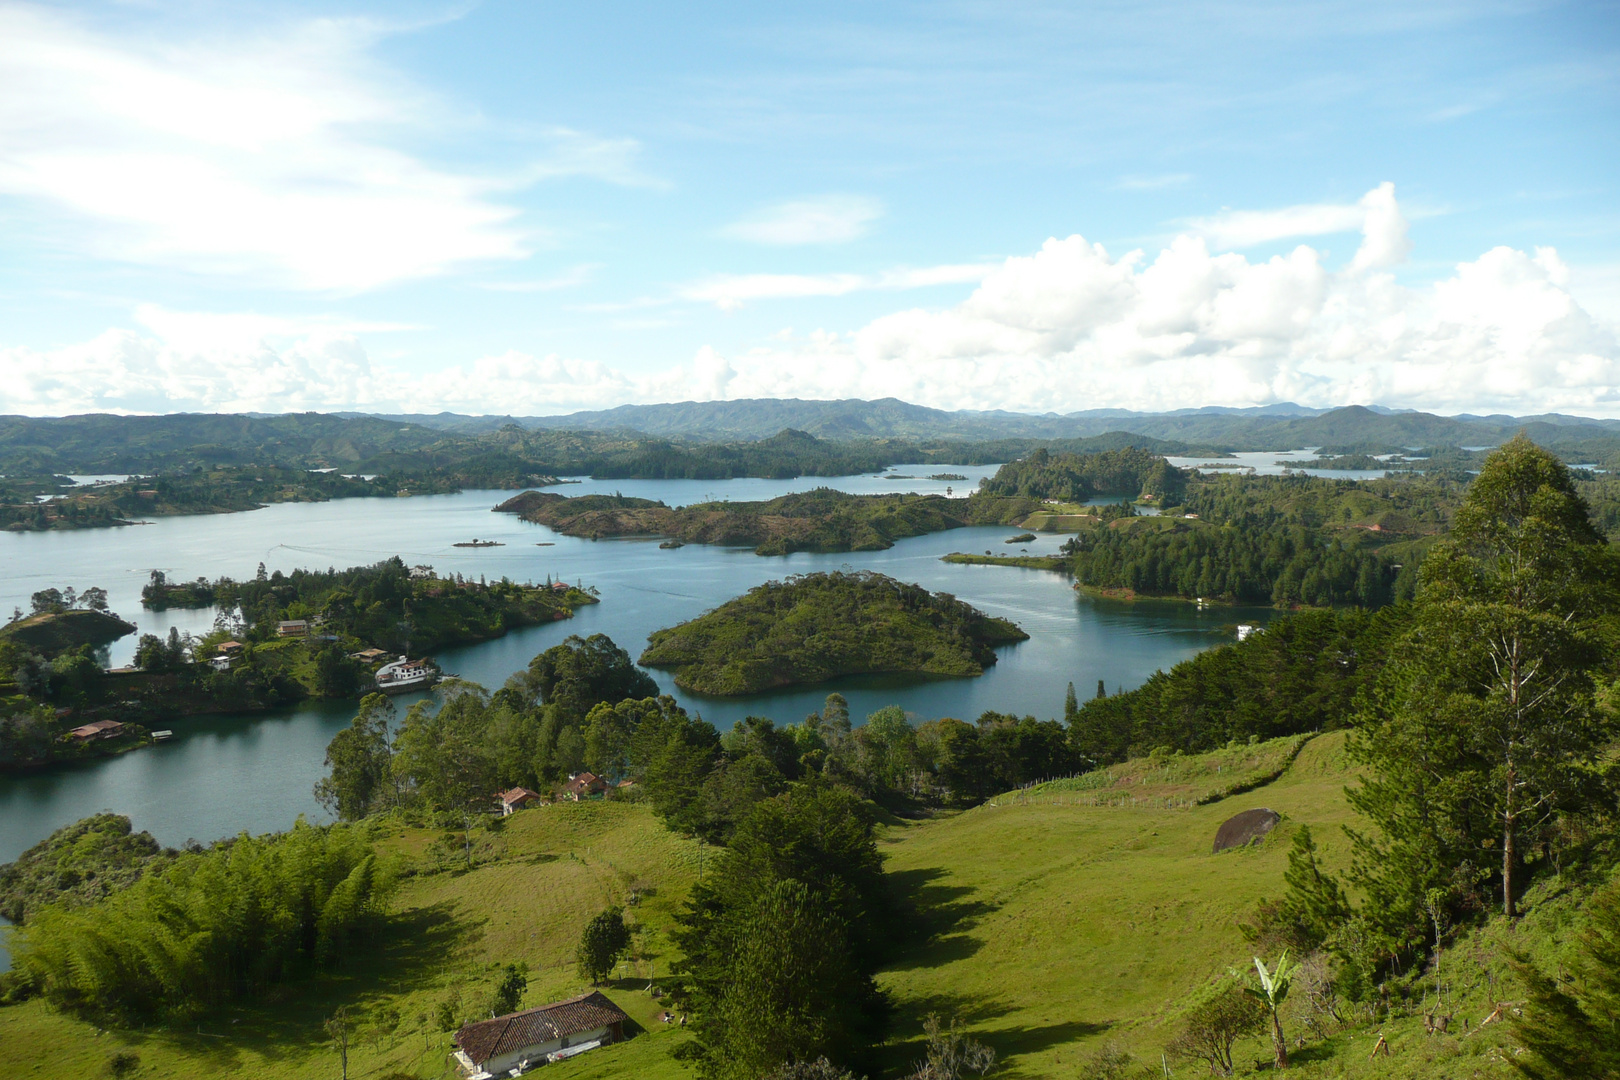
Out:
{"x": 517, "y": 799}
{"x": 583, "y": 786}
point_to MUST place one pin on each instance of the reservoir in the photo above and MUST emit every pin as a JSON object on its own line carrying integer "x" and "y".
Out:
{"x": 221, "y": 775}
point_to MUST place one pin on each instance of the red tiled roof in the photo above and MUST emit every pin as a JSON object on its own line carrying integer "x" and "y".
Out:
{"x": 97, "y": 727}
{"x": 505, "y": 1034}
{"x": 517, "y": 795}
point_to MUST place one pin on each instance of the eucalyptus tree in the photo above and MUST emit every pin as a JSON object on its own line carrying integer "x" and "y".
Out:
{"x": 1482, "y": 727}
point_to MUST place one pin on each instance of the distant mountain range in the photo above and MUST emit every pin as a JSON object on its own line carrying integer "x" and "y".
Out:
{"x": 97, "y": 443}
{"x": 1284, "y": 426}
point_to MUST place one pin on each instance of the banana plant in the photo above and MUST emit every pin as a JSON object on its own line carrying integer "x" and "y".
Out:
{"x": 1272, "y": 992}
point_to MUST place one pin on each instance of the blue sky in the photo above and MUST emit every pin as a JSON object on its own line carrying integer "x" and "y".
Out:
{"x": 537, "y": 207}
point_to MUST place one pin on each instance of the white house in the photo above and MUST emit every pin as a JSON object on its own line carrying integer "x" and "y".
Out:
{"x": 512, "y": 1044}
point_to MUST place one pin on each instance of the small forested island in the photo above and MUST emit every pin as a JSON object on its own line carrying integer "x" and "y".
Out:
{"x": 816, "y": 627}
{"x": 55, "y": 627}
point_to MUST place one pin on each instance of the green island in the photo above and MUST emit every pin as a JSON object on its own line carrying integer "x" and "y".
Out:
{"x": 279, "y": 638}
{"x": 59, "y": 628}
{"x": 816, "y": 627}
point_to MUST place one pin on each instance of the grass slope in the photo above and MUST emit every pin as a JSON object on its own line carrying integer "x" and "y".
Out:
{"x": 1053, "y": 921}
{"x": 550, "y": 870}
{"x": 1079, "y": 913}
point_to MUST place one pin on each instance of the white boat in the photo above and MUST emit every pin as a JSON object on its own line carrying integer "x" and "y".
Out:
{"x": 404, "y": 676}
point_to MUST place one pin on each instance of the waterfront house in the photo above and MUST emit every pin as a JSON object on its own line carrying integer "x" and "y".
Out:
{"x": 292, "y": 628}
{"x": 229, "y": 648}
{"x": 99, "y": 729}
{"x": 368, "y": 656}
{"x": 583, "y": 786}
{"x": 517, "y": 799}
{"x": 511, "y": 1044}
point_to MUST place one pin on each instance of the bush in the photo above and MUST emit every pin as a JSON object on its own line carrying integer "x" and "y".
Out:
{"x": 1225, "y": 1015}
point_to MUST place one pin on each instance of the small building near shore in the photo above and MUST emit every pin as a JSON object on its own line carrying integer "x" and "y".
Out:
{"x": 292, "y": 628}
{"x": 229, "y": 648}
{"x": 369, "y": 656}
{"x": 517, "y": 799}
{"x": 519, "y": 1041}
{"x": 96, "y": 731}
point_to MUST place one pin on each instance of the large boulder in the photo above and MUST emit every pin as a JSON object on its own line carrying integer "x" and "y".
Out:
{"x": 1246, "y": 828}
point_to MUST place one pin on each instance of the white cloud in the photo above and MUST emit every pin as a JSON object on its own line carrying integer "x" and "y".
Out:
{"x": 731, "y": 291}
{"x": 1248, "y": 228}
{"x": 1070, "y": 326}
{"x": 266, "y": 155}
{"x": 827, "y": 219}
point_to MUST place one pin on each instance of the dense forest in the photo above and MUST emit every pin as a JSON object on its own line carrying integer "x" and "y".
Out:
{"x": 1076, "y": 478}
{"x": 1275, "y": 564}
{"x": 816, "y": 627}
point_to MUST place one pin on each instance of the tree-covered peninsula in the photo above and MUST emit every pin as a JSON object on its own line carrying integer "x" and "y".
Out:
{"x": 278, "y": 639}
{"x": 825, "y": 520}
{"x": 820, "y": 520}
{"x": 816, "y": 627}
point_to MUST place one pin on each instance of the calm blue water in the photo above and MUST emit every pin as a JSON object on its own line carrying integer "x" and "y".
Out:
{"x": 221, "y": 775}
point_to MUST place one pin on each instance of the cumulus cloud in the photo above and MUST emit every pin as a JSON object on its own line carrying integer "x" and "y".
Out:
{"x": 1070, "y": 326}
{"x": 827, "y": 219}
{"x": 1073, "y": 327}
{"x": 267, "y": 155}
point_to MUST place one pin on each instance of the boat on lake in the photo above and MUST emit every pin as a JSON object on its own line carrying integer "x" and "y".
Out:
{"x": 404, "y": 676}
{"x": 477, "y": 543}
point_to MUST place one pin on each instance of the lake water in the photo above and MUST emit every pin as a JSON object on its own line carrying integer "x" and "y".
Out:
{"x": 1273, "y": 463}
{"x": 221, "y": 775}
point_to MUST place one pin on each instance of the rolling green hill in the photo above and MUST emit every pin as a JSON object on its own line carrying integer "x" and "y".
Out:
{"x": 1053, "y": 921}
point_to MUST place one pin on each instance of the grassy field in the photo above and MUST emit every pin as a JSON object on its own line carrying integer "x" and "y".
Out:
{"x": 1053, "y": 921}
{"x": 548, "y": 872}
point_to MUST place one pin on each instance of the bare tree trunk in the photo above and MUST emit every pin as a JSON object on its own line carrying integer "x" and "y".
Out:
{"x": 1508, "y": 908}
{"x": 1277, "y": 1037}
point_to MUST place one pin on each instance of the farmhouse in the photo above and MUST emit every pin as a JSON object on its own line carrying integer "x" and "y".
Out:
{"x": 517, "y": 799}
{"x": 292, "y": 628}
{"x": 522, "y": 1040}
{"x": 583, "y": 786}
